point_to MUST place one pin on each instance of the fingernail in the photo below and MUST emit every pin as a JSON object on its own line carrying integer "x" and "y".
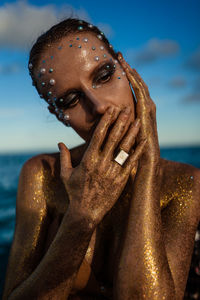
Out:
{"x": 127, "y": 110}
{"x": 59, "y": 146}
{"x": 137, "y": 122}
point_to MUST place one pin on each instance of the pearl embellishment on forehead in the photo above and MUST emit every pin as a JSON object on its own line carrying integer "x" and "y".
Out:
{"x": 85, "y": 40}
{"x": 30, "y": 66}
{"x": 50, "y": 70}
{"x": 99, "y": 36}
{"x": 52, "y": 81}
{"x": 96, "y": 58}
{"x": 42, "y": 70}
{"x": 101, "y": 47}
{"x": 93, "y": 48}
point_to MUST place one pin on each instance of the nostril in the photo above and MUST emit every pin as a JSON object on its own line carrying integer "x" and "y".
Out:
{"x": 100, "y": 108}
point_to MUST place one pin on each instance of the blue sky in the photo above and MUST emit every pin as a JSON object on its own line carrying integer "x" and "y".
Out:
{"x": 159, "y": 38}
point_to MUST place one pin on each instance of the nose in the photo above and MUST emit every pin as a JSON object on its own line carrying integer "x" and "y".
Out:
{"x": 98, "y": 103}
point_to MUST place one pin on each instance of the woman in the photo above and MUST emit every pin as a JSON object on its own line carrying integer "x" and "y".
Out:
{"x": 108, "y": 219}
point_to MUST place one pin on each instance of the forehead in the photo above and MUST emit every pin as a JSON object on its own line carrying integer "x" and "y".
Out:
{"x": 81, "y": 49}
{"x": 74, "y": 56}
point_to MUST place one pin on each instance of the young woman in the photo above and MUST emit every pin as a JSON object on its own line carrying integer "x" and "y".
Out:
{"x": 109, "y": 219}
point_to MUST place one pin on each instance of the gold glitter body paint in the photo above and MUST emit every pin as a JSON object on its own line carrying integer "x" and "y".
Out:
{"x": 49, "y": 199}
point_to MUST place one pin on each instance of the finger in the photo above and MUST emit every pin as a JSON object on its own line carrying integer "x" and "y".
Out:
{"x": 102, "y": 128}
{"x": 134, "y": 157}
{"x": 132, "y": 77}
{"x": 65, "y": 160}
{"x": 118, "y": 131}
{"x": 129, "y": 139}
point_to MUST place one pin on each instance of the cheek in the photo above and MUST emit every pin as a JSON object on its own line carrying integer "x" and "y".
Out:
{"x": 122, "y": 91}
{"x": 80, "y": 120}
{"x": 124, "y": 95}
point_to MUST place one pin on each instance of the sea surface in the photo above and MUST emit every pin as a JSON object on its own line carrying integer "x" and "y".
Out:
{"x": 10, "y": 166}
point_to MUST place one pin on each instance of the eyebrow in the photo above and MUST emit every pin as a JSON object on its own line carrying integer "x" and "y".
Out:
{"x": 93, "y": 74}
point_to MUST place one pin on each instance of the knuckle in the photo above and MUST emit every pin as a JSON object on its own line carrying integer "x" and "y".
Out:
{"x": 86, "y": 166}
{"x": 113, "y": 138}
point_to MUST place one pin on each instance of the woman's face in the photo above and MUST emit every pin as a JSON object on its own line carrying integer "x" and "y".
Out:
{"x": 86, "y": 77}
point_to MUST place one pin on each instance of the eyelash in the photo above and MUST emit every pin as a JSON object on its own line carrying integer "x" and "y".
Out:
{"x": 106, "y": 73}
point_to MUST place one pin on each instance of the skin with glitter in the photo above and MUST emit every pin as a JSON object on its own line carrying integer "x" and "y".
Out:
{"x": 86, "y": 226}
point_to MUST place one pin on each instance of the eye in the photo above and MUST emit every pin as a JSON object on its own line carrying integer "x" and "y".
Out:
{"x": 75, "y": 99}
{"x": 105, "y": 74}
{"x": 69, "y": 100}
{"x": 105, "y": 78}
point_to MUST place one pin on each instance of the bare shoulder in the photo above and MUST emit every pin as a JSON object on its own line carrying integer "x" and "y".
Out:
{"x": 50, "y": 162}
{"x": 180, "y": 182}
{"x": 40, "y": 176}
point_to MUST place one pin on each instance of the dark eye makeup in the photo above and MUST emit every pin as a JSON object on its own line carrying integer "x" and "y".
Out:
{"x": 101, "y": 75}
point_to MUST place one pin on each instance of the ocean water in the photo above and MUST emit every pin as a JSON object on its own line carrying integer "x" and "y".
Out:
{"x": 10, "y": 166}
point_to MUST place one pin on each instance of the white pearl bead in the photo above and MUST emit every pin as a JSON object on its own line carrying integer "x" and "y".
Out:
{"x": 42, "y": 70}
{"x": 66, "y": 117}
{"x": 52, "y": 81}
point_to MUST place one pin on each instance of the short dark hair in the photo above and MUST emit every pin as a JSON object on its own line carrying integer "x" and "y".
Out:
{"x": 57, "y": 32}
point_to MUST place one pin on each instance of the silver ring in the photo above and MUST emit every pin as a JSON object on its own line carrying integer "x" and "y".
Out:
{"x": 121, "y": 157}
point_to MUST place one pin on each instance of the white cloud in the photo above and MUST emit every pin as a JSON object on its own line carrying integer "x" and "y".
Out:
{"x": 12, "y": 68}
{"x": 193, "y": 62}
{"x": 21, "y": 23}
{"x": 153, "y": 50}
{"x": 194, "y": 97}
{"x": 178, "y": 82}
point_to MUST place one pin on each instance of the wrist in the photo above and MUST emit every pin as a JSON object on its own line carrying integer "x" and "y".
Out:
{"x": 81, "y": 217}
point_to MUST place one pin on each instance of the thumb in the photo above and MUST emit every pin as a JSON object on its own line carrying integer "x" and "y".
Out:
{"x": 65, "y": 161}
